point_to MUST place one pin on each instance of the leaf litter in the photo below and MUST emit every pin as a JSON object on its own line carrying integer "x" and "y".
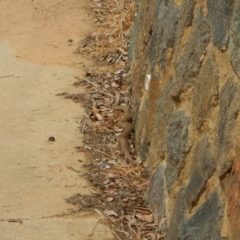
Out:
{"x": 120, "y": 187}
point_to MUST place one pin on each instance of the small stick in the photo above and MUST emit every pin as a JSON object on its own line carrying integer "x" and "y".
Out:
{"x": 104, "y": 217}
{"x": 94, "y": 103}
{"x": 96, "y": 224}
{"x": 120, "y": 56}
{"x": 112, "y": 152}
{"x": 71, "y": 168}
{"x": 109, "y": 130}
{"x": 84, "y": 127}
{"x": 102, "y": 152}
{"x": 89, "y": 81}
{"x": 115, "y": 234}
{"x": 15, "y": 220}
{"x": 6, "y": 76}
{"x": 87, "y": 116}
{"x": 102, "y": 144}
{"x": 70, "y": 185}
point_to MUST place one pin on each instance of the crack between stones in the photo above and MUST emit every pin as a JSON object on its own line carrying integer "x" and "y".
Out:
{"x": 20, "y": 220}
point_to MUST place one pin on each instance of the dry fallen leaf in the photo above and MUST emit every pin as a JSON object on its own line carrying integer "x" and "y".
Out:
{"x": 145, "y": 217}
{"x": 130, "y": 219}
{"x": 110, "y": 199}
{"x": 201, "y": 58}
{"x": 144, "y": 211}
{"x": 99, "y": 117}
{"x": 118, "y": 71}
{"x": 114, "y": 85}
{"x": 117, "y": 129}
{"x": 123, "y": 51}
{"x": 159, "y": 237}
{"x": 139, "y": 233}
{"x": 150, "y": 234}
{"x": 96, "y": 126}
{"x": 106, "y": 181}
{"x": 110, "y": 213}
{"x": 95, "y": 111}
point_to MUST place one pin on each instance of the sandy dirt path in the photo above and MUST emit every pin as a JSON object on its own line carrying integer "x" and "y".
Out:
{"x": 37, "y": 62}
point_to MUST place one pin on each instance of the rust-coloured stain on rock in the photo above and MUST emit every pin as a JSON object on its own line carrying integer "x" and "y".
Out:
{"x": 233, "y": 200}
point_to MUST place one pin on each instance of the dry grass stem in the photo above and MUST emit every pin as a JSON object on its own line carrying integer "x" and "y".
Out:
{"x": 105, "y": 154}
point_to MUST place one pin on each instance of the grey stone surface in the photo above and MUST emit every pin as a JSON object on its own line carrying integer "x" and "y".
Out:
{"x": 206, "y": 223}
{"x": 195, "y": 188}
{"x": 219, "y": 15}
{"x": 178, "y": 216}
{"x": 203, "y": 166}
{"x": 194, "y": 49}
{"x": 164, "y": 32}
{"x": 133, "y": 39}
{"x": 234, "y": 45}
{"x": 186, "y": 15}
{"x": 164, "y": 109}
{"x": 144, "y": 149}
{"x": 187, "y": 64}
{"x": 206, "y": 96}
{"x": 228, "y": 113}
{"x": 177, "y": 140}
{"x": 165, "y": 105}
{"x": 156, "y": 195}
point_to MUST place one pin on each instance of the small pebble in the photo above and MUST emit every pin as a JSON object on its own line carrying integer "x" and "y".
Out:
{"x": 51, "y": 139}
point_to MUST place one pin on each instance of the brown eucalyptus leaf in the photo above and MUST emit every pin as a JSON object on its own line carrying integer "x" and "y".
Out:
{"x": 99, "y": 117}
{"x": 123, "y": 51}
{"x": 95, "y": 111}
{"x": 145, "y": 217}
{"x": 110, "y": 199}
{"x": 110, "y": 213}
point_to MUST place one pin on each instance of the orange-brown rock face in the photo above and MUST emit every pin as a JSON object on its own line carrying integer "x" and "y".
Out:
{"x": 185, "y": 70}
{"x": 233, "y": 200}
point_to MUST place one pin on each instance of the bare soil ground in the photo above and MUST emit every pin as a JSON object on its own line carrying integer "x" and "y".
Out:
{"x": 37, "y": 40}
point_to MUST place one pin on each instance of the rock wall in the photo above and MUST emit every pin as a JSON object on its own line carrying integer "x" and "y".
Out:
{"x": 185, "y": 72}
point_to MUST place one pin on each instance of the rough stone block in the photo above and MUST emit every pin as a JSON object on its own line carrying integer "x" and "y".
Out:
{"x": 164, "y": 109}
{"x": 193, "y": 109}
{"x": 156, "y": 195}
{"x": 234, "y": 44}
{"x": 188, "y": 65}
{"x": 206, "y": 223}
{"x": 177, "y": 144}
{"x": 164, "y": 32}
{"x": 186, "y": 15}
{"x": 203, "y": 166}
{"x": 228, "y": 112}
{"x": 233, "y": 196}
{"x": 219, "y": 15}
{"x": 178, "y": 216}
{"x": 206, "y": 95}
